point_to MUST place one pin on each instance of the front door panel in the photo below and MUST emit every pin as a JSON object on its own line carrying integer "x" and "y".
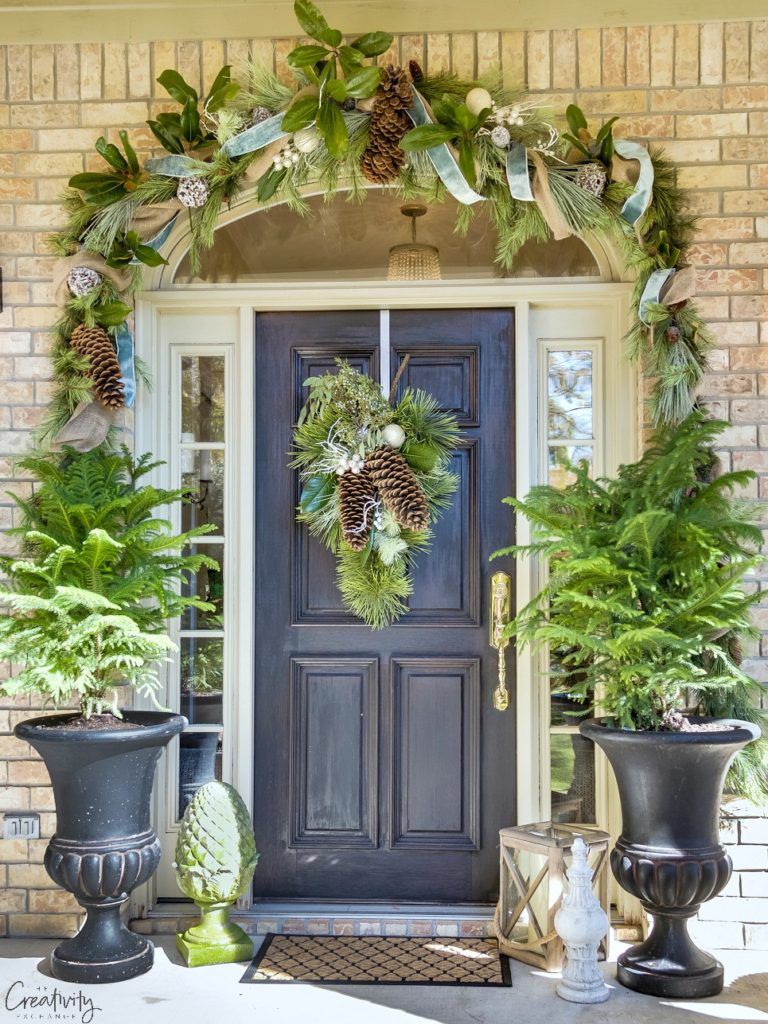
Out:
{"x": 382, "y": 771}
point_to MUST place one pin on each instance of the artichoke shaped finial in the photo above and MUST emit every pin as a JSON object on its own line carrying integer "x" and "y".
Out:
{"x": 215, "y": 850}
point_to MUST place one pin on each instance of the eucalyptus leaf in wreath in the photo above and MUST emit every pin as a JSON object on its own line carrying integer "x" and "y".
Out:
{"x": 370, "y": 501}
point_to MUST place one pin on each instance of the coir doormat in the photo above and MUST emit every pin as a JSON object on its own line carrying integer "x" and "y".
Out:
{"x": 378, "y": 960}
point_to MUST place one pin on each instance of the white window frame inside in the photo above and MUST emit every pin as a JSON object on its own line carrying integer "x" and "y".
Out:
{"x": 206, "y": 321}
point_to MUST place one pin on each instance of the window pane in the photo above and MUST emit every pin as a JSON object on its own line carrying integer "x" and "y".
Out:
{"x": 202, "y": 477}
{"x": 569, "y": 393}
{"x": 202, "y": 679}
{"x": 573, "y": 778}
{"x": 202, "y": 398}
{"x": 199, "y": 762}
{"x": 561, "y": 457}
{"x": 208, "y": 585}
{"x": 565, "y": 710}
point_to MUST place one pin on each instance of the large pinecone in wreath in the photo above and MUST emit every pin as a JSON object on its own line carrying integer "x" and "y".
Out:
{"x": 95, "y": 345}
{"x": 398, "y": 487}
{"x": 382, "y": 157}
{"x": 355, "y": 493}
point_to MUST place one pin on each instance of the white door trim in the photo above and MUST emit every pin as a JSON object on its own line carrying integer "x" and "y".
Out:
{"x": 196, "y": 305}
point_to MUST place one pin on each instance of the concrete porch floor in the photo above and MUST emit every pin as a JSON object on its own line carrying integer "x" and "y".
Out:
{"x": 208, "y": 995}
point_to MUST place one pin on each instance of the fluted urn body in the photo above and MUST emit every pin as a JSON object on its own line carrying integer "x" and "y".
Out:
{"x": 668, "y": 854}
{"x": 104, "y": 845}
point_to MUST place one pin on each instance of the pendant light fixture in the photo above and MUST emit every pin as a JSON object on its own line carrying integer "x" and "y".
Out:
{"x": 413, "y": 261}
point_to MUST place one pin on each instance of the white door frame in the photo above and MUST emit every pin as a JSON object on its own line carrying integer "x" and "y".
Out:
{"x": 193, "y": 309}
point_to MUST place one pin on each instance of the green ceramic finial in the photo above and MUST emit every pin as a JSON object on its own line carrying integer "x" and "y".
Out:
{"x": 215, "y": 860}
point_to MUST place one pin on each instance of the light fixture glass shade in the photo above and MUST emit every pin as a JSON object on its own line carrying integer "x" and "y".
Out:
{"x": 413, "y": 262}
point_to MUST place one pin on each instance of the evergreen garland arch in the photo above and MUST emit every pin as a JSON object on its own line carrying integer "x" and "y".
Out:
{"x": 348, "y": 123}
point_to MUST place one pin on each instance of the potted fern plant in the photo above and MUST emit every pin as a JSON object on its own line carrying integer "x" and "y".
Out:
{"x": 642, "y": 613}
{"x": 87, "y": 602}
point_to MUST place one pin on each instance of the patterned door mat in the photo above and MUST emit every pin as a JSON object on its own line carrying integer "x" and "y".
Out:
{"x": 378, "y": 960}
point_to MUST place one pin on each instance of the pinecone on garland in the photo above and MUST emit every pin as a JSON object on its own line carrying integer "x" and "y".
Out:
{"x": 355, "y": 508}
{"x": 260, "y": 114}
{"x": 192, "y": 192}
{"x": 95, "y": 345}
{"x": 592, "y": 178}
{"x": 382, "y": 158}
{"x": 82, "y": 280}
{"x": 398, "y": 487}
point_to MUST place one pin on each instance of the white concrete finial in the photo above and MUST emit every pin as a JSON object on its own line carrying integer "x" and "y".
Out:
{"x": 581, "y": 923}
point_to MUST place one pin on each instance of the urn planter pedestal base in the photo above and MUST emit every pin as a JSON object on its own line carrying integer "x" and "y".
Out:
{"x": 670, "y": 964}
{"x": 104, "y": 950}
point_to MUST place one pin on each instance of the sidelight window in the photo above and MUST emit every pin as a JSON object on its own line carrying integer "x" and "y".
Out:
{"x": 569, "y": 403}
{"x": 200, "y": 383}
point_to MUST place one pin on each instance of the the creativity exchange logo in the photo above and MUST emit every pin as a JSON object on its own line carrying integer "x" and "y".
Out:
{"x": 40, "y": 1003}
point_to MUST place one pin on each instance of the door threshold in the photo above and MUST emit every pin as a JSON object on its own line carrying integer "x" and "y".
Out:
{"x": 302, "y": 908}
{"x": 302, "y": 917}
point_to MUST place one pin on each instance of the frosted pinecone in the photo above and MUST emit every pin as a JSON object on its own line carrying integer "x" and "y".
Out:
{"x": 192, "y": 192}
{"x": 215, "y": 849}
{"x": 259, "y": 114}
{"x": 592, "y": 178}
{"x": 672, "y": 334}
{"x": 500, "y": 136}
{"x": 82, "y": 280}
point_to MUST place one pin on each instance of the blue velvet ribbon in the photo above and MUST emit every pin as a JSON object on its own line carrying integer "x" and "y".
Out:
{"x": 177, "y": 166}
{"x": 518, "y": 177}
{"x": 652, "y": 291}
{"x": 124, "y": 344}
{"x": 640, "y": 200}
{"x": 443, "y": 159}
{"x": 257, "y": 137}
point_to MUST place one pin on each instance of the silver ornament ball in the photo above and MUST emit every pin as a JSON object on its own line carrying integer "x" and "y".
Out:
{"x": 192, "y": 192}
{"x": 500, "y": 136}
{"x": 82, "y": 280}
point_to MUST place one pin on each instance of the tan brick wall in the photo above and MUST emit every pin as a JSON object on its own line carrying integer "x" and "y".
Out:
{"x": 700, "y": 91}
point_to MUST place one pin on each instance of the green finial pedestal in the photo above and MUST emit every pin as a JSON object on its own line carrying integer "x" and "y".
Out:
{"x": 215, "y": 860}
{"x": 215, "y": 939}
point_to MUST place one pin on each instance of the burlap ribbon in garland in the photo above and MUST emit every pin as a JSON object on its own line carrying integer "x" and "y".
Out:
{"x": 86, "y": 428}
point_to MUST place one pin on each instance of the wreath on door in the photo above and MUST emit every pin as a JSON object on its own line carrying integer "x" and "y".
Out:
{"x": 375, "y": 478}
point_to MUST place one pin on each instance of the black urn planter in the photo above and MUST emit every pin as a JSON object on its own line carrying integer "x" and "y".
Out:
{"x": 104, "y": 845}
{"x": 668, "y": 854}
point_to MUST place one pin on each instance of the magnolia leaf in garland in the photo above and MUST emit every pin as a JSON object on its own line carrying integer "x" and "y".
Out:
{"x": 371, "y": 503}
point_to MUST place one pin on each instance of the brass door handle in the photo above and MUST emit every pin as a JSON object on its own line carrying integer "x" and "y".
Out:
{"x": 501, "y": 602}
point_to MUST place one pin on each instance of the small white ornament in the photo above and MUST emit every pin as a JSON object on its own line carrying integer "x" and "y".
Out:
{"x": 192, "y": 192}
{"x": 581, "y": 923}
{"x": 288, "y": 156}
{"x": 500, "y": 136}
{"x": 82, "y": 280}
{"x": 393, "y": 435}
{"x": 477, "y": 100}
{"x": 307, "y": 140}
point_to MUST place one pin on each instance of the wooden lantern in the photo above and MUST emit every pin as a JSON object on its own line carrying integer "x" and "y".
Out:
{"x": 531, "y": 887}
